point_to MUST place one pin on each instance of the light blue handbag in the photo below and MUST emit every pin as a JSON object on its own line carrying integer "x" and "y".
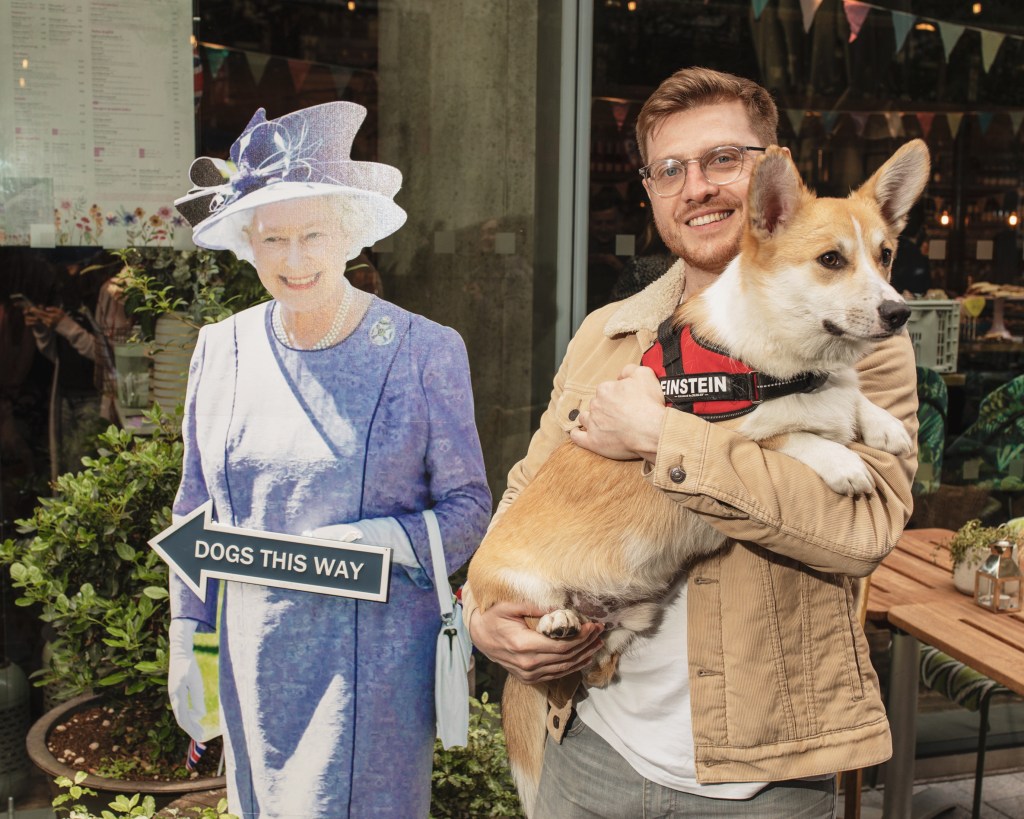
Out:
{"x": 451, "y": 681}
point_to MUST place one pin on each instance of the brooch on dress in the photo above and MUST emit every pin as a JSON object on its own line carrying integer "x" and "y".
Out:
{"x": 383, "y": 331}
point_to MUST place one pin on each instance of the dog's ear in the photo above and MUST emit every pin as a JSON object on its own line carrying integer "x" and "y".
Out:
{"x": 898, "y": 184}
{"x": 775, "y": 192}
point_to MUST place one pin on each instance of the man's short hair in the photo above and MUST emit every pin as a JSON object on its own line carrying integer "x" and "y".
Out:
{"x": 694, "y": 87}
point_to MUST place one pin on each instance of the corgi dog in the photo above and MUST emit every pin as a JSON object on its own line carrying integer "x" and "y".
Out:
{"x": 590, "y": 539}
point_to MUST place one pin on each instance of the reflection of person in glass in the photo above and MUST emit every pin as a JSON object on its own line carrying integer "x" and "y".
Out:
{"x": 603, "y": 265}
{"x": 331, "y": 412}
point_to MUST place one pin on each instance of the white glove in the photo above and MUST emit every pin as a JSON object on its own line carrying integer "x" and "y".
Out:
{"x": 184, "y": 680}
{"x": 345, "y": 532}
{"x": 374, "y": 532}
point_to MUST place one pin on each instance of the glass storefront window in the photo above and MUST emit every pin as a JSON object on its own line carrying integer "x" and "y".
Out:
{"x": 452, "y": 90}
{"x": 950, "y": 73}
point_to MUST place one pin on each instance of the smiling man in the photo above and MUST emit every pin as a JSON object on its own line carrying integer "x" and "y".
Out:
{"x": 757, "y": 685}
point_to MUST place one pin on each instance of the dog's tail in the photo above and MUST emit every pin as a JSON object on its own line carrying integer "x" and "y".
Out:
{"x": 523, "y": 717}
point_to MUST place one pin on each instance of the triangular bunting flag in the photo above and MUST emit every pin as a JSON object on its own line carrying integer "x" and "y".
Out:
{"x": 984, "y": 120}
{"x": 257, "y": 64}
{"x": 1016, "y": 117}
{"x": 299, "y": 70}
{"x": 895, "y": 122}
{"x": 855, "y": 14}
{"x": 215, "y": 57}
{"x": 901, "y": 25}
{"x": 796, "y": 118}
{"x": 860, "y": 119}
{"x": 951, "y": 33}
{"x": 759, "y": 7}
{"x": 926, "y": 122}
{"x": 954, "y": 123}
{"x": 990, "y": 42}
{"x": 828, "y": 121}
{"x": 809, "y": 9}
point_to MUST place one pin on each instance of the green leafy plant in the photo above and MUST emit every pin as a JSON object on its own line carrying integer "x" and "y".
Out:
{"x": 124, "y": 807}
{"x": 475, "y": 781}
{"x": 204, "y": 286}
{"x": 972, "y": 540}
{"x": 84, "y": 563}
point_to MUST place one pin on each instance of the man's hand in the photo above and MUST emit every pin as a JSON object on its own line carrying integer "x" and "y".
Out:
{"x": 624, "y": 419}
{"x": 502, "y": 634}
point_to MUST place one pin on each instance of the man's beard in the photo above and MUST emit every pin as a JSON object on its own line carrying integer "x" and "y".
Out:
{"x": 710, "y": 256}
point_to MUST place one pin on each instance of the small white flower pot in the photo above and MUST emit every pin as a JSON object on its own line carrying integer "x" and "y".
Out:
{"x": 964, "y": 572}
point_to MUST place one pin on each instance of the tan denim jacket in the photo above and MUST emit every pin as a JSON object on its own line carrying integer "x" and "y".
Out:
{"x": 782, "y": 686}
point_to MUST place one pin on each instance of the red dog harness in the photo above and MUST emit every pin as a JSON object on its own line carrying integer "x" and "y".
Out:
{"x": 698, "y": 377}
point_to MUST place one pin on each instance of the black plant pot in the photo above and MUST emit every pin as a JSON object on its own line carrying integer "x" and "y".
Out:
{"x": 107, "y": 789}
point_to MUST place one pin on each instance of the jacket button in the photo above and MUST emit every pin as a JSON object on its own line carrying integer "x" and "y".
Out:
{"x": 677, "y": 474}
{"x": 555, "y": 721}
{"x": 574, "y": 414}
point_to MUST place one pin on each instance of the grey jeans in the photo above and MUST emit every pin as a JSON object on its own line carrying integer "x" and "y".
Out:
{"x": 584, "y": 778}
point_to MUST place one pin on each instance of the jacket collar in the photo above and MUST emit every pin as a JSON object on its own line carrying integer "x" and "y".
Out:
{"x": 643, "y": 312}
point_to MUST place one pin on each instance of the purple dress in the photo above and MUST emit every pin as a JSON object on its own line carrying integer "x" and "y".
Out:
{"x": 326, "y": 702}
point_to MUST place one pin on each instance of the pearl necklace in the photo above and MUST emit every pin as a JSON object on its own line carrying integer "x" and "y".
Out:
{"x": 328, "y": 339}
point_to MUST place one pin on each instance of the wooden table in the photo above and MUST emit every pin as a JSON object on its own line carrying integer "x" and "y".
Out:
{"x": 992, "y": 644}
{"x": 912, "y": 593}
{"x": 917, "y": 570}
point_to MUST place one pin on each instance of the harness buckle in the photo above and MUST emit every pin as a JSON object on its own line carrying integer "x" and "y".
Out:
{"x": 753, "y": 389}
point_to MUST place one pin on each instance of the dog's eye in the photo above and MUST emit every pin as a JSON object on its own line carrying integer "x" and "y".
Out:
{"x": 886, "y": 257}
{"x": 833, "y": 260}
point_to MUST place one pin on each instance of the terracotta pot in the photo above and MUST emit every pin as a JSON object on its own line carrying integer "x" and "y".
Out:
{"x": 107, "y": 789}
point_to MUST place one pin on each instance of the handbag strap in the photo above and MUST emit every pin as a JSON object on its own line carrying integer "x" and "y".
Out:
{"x": 444, "y": 590}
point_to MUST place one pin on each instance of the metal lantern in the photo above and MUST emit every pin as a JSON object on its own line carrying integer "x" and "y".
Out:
{"x": 997, "y": 584}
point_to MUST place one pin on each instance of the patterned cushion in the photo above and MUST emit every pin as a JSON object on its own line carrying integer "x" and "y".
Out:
{"x": 990, "y": 452}
{"x": 956, "y": 681}
{"x": 932, "y": 408}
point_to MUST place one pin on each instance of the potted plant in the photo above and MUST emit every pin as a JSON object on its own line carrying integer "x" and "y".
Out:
{"x": 74, "y": 793}
{"x": 196, "y": 287}
{"x": 970, "y": 546}
{"x": 84, "y": 563}
{"x": 172, "y": 294}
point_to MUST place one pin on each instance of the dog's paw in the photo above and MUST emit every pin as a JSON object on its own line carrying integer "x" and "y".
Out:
{"x": 890, "y": 436}
{"x": 847, "y": 474}
{"x": 603, "y": 672}
{"x": 560, "y": 624}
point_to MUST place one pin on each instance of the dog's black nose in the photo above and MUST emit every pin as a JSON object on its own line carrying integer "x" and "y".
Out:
{"x": 894, "y": 314}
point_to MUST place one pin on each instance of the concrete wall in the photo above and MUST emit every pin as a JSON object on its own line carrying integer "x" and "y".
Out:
{"x": 457, "y": 102}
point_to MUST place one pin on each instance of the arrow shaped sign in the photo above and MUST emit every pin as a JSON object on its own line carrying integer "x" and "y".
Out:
{"x": 196, "y": 548}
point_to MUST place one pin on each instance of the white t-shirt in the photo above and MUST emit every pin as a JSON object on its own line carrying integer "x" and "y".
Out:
{"x": 645, "y": 713}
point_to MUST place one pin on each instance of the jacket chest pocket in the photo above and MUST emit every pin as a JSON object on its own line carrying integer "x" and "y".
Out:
{"x": 573, "y": 400}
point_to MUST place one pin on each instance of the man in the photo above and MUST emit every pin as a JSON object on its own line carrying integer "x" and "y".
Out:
{"x": 757, "y": 687}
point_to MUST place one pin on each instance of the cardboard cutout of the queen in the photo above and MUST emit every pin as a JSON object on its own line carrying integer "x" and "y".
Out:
{"x": 324, "y": 417}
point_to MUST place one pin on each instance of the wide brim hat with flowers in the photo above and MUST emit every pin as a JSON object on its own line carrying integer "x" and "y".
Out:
{"x": 302, "y": 154}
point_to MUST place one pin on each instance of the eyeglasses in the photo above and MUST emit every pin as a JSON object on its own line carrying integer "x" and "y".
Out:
{"x": 720, "y": 166}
